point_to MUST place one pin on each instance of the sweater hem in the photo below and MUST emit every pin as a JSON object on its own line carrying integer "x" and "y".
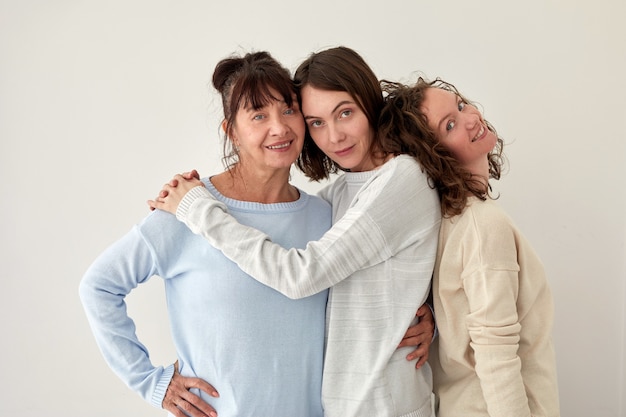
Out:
{"x": 424, "y": 411}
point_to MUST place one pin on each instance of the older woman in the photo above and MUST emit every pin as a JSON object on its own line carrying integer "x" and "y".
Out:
{"x": 261, "y": 350}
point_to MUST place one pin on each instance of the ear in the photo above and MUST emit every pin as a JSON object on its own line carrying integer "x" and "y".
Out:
{"x": 230, "y": 136}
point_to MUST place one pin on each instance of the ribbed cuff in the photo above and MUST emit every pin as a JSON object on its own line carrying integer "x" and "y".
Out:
{"x": 191, "y": 196}
{"x": 161, "y": 387}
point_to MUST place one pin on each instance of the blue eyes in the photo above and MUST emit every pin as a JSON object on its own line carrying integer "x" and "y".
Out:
{"x": 460, "y": 106}
{"x": 261, "y": 116}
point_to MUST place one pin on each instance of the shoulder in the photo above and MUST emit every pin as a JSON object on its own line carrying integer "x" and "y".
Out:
{"x": 406, "y": 163}
{"x": 335, "y": 187}
{"x": 315, "y": 203}
{"x": 487, "y": 215}
{"x": 400, "y": 187}
{"x": 312, "y": 200}
{"x": 162, "y": 227}
{"x": 484, "y": 226}
{"x": 403, "y": 171}
{"x": 479, "y": 217}
{"x": 404, "y": 175}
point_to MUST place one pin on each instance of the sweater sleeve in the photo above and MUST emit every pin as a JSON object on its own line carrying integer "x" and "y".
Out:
{"x": 491, "y": 286}
{"x": 373, "y": 229}
{"x": 103, "y": 289}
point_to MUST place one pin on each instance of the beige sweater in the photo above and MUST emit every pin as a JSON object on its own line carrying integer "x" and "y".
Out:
{"x": 494, "y": 356}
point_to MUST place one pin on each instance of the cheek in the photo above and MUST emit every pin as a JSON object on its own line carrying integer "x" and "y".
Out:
{"x": 368, "y": 134}
{"x": 318, "y": 138}
{"x": 299, "y": 129}
{"x": 454, "y": 146}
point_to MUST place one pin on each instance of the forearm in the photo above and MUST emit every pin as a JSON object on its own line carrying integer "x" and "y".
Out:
{"x": 352, "y": 244}
{"x": 501, "y": 381}
{"x": 494, "y": 331}
{"x": 103, "y": 290}
{"x": 397, "y": 209}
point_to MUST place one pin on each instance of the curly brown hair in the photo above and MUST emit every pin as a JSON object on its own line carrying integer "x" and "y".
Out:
{"x": 404, "y": 129}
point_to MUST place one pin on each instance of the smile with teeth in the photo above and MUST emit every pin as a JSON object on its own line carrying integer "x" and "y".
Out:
{"x": 479, "y": 134}
{"x": 280, "y": 146}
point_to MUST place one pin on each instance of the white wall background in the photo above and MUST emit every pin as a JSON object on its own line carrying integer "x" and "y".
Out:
{"x": 101, "y": 102}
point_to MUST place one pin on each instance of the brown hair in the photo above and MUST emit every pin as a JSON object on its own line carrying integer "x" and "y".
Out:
{"x": 405, "y": 130}
{"x": 337, "y": 69}
{"x": 245, "y": 81}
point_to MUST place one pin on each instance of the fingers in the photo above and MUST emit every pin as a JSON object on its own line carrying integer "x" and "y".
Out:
{"x": 426, "y": 320}
{"x": 179, "y": 399}
{"x": 422, "y": 311}
{"x": 176, "y": 189}
{"x": 191, "y": 174}
{"x": 152, "y": 204}
{"x": 423, "y": 331}
{"x": 411, "y": 338}
{"x": 420, "y": 335}
{"x": 422, "y": 360}
{"x": 157, "y": 203}
{"x": 421, "y": 351}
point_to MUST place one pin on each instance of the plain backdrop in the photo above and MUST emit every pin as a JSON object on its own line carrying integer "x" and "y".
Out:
{"x": 101, "y": 102}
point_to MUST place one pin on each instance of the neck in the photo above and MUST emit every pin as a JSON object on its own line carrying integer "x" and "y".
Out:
{"x": 377, "y": 159}
{"x": 259, "y": 187}
{"x": 480, "y": 171}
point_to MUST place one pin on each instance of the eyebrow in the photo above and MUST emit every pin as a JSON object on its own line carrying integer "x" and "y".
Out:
{"x": 341, "y": 103}
{"x": 250, "y": 109}
{"x": 457, "y": 99}
{"x": 443, "y": 119}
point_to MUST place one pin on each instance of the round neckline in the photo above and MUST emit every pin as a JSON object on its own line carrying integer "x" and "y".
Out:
{"x": 253, "y": 205}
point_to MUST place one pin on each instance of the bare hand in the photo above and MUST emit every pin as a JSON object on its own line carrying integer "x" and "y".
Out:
{"x": 178, "y": 398}
{"x": 186, "y": 175}
{"x": 420, "y": 335}
{"x": 173, "y": 192}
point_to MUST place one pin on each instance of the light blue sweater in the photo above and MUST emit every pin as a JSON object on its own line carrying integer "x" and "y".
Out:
{"x": 262, "y": 351}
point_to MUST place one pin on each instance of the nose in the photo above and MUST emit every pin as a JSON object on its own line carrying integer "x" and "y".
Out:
{"x": 472, "y": 119}
{"x": 279, "y": 127}
{"x": 335, "y": 135}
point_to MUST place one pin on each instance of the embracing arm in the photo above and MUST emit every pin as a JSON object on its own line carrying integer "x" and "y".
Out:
{"x": 371, "y": 231}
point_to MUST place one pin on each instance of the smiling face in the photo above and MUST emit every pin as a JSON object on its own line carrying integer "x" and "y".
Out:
{"x": 269, "y": 137}
{"x": 339, "y": 127}
{"x": 459, "y": 127}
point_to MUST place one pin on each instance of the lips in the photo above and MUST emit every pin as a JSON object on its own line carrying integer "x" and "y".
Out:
{"x": 344, "y": 151}
{"x": 279, "y": 146}
{"x": 481, "y": 132}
